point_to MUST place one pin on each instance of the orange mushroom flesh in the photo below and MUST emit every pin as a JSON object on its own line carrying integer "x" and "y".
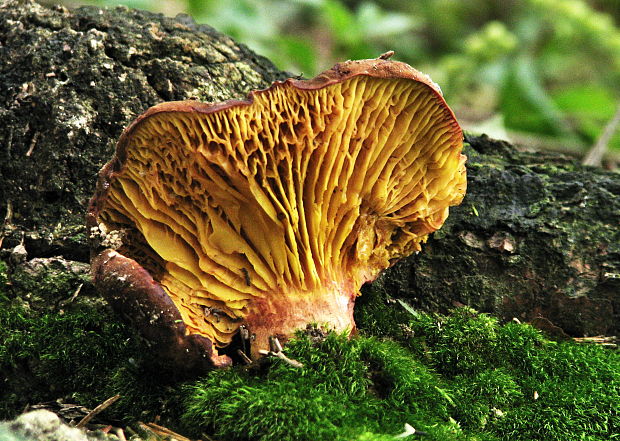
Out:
{"x": 272, "y": 212}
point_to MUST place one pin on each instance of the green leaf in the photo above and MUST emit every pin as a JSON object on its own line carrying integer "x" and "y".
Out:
{"x": 198, "y": 7}
{"x": 590, "y": 107}
{"x": 586, "y": 101}
{"x": 525, "y": 104}
{"x": 298, "y": 52}
{"x": 342, "y": 23}
{"x": 377, "y": 23}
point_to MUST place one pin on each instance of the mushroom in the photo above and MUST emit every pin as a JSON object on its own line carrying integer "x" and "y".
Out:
{"x": 270, "y": 213}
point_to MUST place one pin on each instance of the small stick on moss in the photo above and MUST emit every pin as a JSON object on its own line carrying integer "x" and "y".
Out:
{"x": 607, "y": 341}
{"x": 75, "y": 294}
{"x": 274, "y": 344}
{"x": 162, "y": 431}
{"x": 294, "y": 363}
{"x": 33, "y": 143}
{"x": 107, "y": 403}
{"x": 276, "y": 351}
{"x": 244, "y": 357}
{"x": 120, "y": 434}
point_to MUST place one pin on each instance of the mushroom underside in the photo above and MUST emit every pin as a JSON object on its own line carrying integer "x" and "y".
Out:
{"x": 272, "y": 213}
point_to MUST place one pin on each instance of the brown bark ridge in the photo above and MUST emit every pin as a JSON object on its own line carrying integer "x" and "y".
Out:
{"x": 536, "y": 237}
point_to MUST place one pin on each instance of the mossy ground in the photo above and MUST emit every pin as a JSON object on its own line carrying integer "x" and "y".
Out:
{"x": 463, "y": 376}
{"x": 75, "y": 351}
{"x": 456, "y": 377}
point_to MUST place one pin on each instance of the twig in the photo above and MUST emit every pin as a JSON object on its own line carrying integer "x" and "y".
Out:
{"x": 598, "y": 150}
{"x": 294, "y": 363}
{"x": 244, "y": 357}
{"x": 162, "y": 431}
{"x": 276, "y": 351}
{"x": 107, "y": 403}
{"x": 386, "y": 56}
{"x": 274, "y": 344}
{"x": 607, "y": 341}
{"x": 120, "y": 434}
{"x": 75, "y": 294}
{"x": 33, "y": 143}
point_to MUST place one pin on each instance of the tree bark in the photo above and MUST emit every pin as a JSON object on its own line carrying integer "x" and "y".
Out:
{"x": 536, "y": 237}
{"x": 71, "y": 80}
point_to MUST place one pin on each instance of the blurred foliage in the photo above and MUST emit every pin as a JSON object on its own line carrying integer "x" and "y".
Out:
{"x": 543, "y": 68}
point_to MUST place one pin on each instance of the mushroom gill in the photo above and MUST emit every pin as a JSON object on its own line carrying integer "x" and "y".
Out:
{"x": 272, "y": 212}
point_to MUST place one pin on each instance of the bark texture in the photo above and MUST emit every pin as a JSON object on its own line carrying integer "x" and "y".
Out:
{"x": 536, "y": 238}
{"x": 71, "y": 80}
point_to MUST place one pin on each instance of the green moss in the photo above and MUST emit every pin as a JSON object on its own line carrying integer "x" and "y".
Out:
{"x": 578, "y": 390}
{"x": 512, "y": 382}
{"x": 362, "y": 388}
{"x": 462, "y": 343}
{"x": 379, "y": 314}
{"x": 462, "y": 376}
{"x": 481, "y": 397}
{"x": 83, "y": 356}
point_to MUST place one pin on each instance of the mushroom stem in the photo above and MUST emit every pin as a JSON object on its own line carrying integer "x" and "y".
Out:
{"x": 286, "y": 314}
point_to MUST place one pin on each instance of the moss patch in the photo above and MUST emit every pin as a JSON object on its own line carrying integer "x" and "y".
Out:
{"x": 457, "y": 377}
{"x": 512, "y": 382}
{"x": 81, "y": 356}
{"x": 348, "y": 389}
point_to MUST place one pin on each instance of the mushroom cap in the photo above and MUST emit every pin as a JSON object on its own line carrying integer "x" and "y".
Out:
{"x": 271, "y": 212}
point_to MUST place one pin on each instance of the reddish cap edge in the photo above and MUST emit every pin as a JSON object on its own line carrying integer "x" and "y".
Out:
{"x": 134, "y": 294}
